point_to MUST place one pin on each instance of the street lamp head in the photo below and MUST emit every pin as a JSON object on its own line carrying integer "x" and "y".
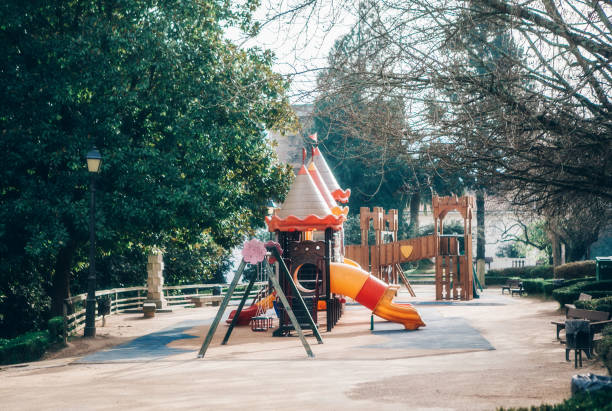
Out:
{"x": 93, "y": 160}
{"x": 270, "y": 206}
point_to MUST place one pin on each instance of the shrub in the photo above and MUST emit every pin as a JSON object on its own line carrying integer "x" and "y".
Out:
{"x": 56, "y": 329}
{"x": 534, "y": 286}
{"x": 578, "y": 269}
{"x": 577, "y": 280}
{"x": 569, "y": 294}
{"x": 539, "y": 286}
{"x": 509, "y": 272}
{"x": 548, "y": 287}
{"x": 23, "y": 307}
{"x": 26, "y": 347}
{"x": 542, "y": 271}
{"x": 600, "y": 400}
{"x": 533, "y": 271}
{"x": 604, "y": 348}
{"x": 496, "y": 280}
{"x": 599, "y": 304}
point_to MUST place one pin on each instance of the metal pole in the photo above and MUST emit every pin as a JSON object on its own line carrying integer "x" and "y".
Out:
{"x": 90, "y": 309}
{"x": 224, "y": 304}
{"x": 239, "y": 309}
{"x": 292, "y": 317}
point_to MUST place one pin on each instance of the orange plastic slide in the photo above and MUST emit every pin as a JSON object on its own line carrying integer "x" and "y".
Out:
{"x": 361, "y": 286}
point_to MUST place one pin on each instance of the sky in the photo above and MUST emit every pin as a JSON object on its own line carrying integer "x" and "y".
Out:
{"x": 302, "y": 44}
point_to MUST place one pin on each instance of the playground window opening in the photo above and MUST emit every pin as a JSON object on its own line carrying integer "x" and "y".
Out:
{"x": 307, "y": 276}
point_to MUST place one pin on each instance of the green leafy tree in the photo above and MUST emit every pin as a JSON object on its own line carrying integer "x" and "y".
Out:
{"x": 510, "y": 250}
{"x": 177, "y": 111}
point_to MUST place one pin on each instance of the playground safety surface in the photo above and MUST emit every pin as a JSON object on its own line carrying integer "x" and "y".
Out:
{"x": 490, "y": 352}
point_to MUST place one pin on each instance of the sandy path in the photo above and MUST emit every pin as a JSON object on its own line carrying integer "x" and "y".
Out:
{"x": 256, "y": 371}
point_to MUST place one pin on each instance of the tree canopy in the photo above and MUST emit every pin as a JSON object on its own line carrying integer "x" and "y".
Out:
{"x": 178, "y": 112}
{"x": 547, "y": 134}
{"x": 360, "y": 133}
{"x": 515, "y": 93}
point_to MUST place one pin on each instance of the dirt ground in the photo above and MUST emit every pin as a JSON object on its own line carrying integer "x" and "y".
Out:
{"x": 492, "y": 352}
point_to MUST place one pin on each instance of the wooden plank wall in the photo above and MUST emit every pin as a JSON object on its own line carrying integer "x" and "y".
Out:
{"x": 447, "y": 278}
{"x": 358, "y": 254}
{"x": 375, "y": 257}
{"x": 422, "y": 247}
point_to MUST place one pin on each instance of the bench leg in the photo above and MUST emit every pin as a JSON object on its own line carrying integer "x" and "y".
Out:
{"x": 558, "y": 329}
{"x": 577, "y": 358}
{"x": 567, "y": 354}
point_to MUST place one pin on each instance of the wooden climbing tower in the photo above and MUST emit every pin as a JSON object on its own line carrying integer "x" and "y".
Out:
{"x": 452, "y": 253}
{"x": 454, "y": 276}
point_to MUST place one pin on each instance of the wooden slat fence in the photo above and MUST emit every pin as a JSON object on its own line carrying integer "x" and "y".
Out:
{"x": 132, "y": 298}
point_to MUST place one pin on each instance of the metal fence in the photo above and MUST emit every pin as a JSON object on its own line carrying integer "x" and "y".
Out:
{"x": 129, "y": 299}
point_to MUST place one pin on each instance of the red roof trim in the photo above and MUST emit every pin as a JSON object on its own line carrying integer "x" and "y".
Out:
{"x": 312, "y": 222}
{"x": 342, "y": 195}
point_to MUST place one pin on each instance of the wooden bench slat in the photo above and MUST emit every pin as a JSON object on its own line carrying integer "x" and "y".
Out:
{"x": 597, "y": 319}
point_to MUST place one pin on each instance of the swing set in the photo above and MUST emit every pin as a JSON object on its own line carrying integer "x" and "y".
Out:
{"x": 262, "y": 254}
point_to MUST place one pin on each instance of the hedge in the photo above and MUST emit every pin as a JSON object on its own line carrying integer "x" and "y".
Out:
{"x": 578, "y": 269}
{"x": 569, "y": 294}
{"x": 538, "y": 286}
{"x": 495, "y": 280}
{"x": 33, "y": 345}
{"x": 598, "y": 304}
{"x": 604, "y": 348}
{"x": 600, "y": 400}
{"x": 532, "y": 271}
{"x": 545, "y": 286}
{"x": 56, "y": 329}
{"x": 577, "y": 280}
{"x": 24, "y": 348}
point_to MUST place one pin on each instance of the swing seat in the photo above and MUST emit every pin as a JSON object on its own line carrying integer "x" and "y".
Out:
{"x": 245, "y": 315}
{"x": 261, "y": 323}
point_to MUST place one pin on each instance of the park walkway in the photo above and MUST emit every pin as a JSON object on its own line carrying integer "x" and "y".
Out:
{"x": 495, "y": 351}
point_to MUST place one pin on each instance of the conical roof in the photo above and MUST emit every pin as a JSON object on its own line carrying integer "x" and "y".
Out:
{"x": 321, "y": 186}
{"x": 329, "y": 199}
{"x": 328, "y": 177}
{"x": 305, "y": 208}
{"x": 304, "y": 198}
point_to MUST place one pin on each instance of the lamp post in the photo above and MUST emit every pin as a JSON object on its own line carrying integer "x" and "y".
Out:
{"x": 270, "y": 206}
{"x": 93, "y": 165}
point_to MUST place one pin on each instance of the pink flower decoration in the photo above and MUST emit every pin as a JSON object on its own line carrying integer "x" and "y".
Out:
{"x": 253, "y": 251}
{"x": 271, "y": 243}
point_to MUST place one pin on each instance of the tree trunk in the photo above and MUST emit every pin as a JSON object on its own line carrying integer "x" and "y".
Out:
{"x": 556, "y": 254}
{"x": 60, "y": 289}
{"x": 403, "y": 231}
{"x": 415, "y": 204}
{"x": 480, "y": 224}
{"x": 480, "y": 236}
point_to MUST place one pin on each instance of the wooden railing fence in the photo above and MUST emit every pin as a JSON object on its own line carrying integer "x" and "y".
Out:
{"x": 132, "y": 298}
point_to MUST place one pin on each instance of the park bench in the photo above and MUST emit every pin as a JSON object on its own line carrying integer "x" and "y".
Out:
{"x": 581, "y": 297}
{"x": 513, "y": 287}
{"x": 201, "y": 300}
{"x": 597, "y": 319}
{"x": 593, "y": 323}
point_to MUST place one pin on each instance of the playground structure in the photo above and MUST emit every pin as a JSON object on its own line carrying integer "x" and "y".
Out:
{"x": 315, "y": 272}
{"x": 452, "y": 253}
{"x": 308, "y": 227}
